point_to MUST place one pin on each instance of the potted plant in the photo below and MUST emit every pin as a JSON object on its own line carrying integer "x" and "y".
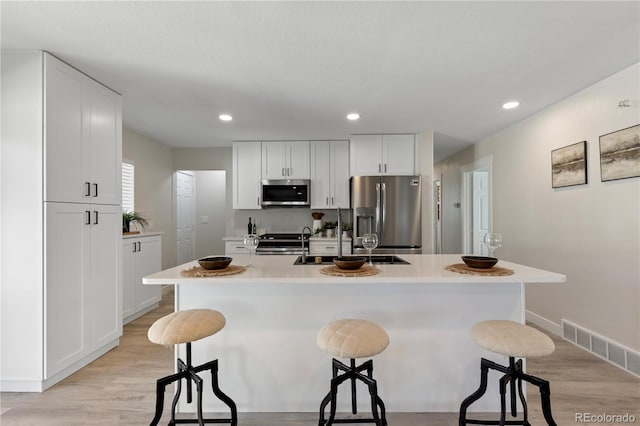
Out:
{"x": 346, "y": 229}
{"x": 330, "y": 228}
{"x": 133, "y": 217}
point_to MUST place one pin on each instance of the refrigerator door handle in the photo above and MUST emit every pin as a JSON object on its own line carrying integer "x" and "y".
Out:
{"x": 378, "y": 210}
{"x": 383, "y": 209}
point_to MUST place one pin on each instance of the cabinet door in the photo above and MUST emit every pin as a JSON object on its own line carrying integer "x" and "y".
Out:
{"x": 340, "y": 174}
{"x": 274, "y": 160}
{"x": 128, "y": 277}
{"x": 67, "y": 334}
{"x": 366, "y": 155}
{"x": 148, "y": 261}
{"x": 102, "y": 166}
{"x": 320, "y": 174}
{"x": 297, "y": 160}
{"x": 246, "y": 175}
{"x": 398, "y": 155}
{"x": 105, "y": 282}
{"x": 63, "y": 133}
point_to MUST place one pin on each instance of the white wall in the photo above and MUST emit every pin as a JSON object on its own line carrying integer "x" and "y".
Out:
{"x": 153, "y": 187}
{"x": 589, "y": 232}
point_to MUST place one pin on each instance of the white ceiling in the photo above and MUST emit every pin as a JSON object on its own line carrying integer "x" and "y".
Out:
{"x": 293, "y": 70}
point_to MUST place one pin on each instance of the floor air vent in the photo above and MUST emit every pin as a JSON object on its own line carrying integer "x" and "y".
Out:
{"x": 615, "y": 353}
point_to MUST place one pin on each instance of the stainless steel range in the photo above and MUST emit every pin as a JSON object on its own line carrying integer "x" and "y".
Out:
{"x": 283, "y": 243}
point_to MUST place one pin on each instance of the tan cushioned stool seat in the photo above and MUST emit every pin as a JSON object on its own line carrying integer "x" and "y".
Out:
{"x": 186, "y": 326}
{"x": 352, "y": 338}
{"x": 512, "y": 339}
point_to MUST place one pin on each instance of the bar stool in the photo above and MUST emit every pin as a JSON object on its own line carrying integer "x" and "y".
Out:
{"x": 186, "y": 327}
{"x": 514, "y": 340}
{"x": 352, "y": 338}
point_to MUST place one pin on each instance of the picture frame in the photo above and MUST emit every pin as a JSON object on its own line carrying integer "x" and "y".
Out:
{"x": 620, "y": 154}
{"x": 569, "y": 165}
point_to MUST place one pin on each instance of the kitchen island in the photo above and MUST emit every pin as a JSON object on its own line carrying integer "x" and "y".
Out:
{"x": 269, "y": 360}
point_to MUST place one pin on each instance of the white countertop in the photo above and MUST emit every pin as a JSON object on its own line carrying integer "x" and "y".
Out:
{"x": 142, "y": 234}
{"x": 423, "y": 269}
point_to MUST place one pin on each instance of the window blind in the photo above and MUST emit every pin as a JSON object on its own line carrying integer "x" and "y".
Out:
{"x": 127, "y": 186}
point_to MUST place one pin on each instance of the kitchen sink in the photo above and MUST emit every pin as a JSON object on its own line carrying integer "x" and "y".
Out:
{"x": 376, "y": 259}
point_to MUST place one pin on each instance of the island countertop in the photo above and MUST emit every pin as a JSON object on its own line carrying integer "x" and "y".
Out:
{"x": 423, "y": 269}
{"x": 269, "y": 359}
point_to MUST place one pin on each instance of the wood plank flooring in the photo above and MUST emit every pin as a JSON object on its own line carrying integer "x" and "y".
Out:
{"x": 119, "y": 389}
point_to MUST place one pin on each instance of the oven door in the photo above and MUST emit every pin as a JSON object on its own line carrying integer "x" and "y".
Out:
{"x": 285, "y": 193}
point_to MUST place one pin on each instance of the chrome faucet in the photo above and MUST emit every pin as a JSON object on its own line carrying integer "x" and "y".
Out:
{"x": 339, "y": 231}
{"x": 303, "y": 258}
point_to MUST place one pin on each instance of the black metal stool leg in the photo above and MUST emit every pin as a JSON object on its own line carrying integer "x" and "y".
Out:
{"x": 484, "y": 373}
{"x": 545, "y": 396}
{"x": 513, "y": 377}
{"x": 352, "y": 373}
{"x": 174, "y": 404}
{"x": 354, "y": 402}
{"x": 159, "y": 403}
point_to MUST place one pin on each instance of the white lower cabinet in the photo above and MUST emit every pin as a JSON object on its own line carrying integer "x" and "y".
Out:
{"x": 328, "y": 247}
{"x": 82, "y": 282}
{"x": 140, "y": 256}
{"x": 235, "y": 247}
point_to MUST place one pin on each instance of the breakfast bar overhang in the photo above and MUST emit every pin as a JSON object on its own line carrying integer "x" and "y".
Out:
{"x": 269, "y": 360}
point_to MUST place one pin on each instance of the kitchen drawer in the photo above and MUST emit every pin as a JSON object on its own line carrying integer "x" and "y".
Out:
{"x": 319, "y": 248}
{"x": 234, "y": 247}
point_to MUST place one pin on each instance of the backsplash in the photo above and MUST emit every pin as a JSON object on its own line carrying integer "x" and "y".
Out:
{"x": 282, "y": 219}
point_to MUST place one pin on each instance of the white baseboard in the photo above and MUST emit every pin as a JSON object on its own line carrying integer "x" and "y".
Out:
{"x": 543, "y": 323}
{"x": 42, "y": 385}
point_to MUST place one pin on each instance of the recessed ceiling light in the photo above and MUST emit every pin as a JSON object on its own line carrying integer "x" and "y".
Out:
{"x": 353, "y": 116}
{"x": 510, "y": 105}
{"x": 225, "y": 117}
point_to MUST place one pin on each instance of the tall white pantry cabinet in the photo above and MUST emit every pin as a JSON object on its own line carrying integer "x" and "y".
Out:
{"x": 61, "y": 220}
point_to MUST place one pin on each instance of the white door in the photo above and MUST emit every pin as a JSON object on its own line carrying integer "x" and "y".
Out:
{"x": 476, "y": 205}
{"x": 480, "y": 211}
{"x": 185, "y": 210}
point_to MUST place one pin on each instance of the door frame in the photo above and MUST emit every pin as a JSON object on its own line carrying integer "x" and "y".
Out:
{"x": 466, "y": 195}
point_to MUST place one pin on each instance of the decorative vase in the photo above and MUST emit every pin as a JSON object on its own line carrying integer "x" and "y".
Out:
{"x": 317, "y": 224}
{"x": 331, "y": 232}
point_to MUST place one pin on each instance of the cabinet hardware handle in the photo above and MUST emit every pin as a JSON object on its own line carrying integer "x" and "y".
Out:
{"x": 88, "y": 222}
{"x": 282, "y": 174}
{"x": 327, "y": 202}
{"x": 88, "y": 193}
{"x": 134, "y": 247}
{"x": 96, "y": 218}
{"x": 385, "y": 167}
{"x": 379, "y": 167}
{"x": 139, "y": 246}
{"x": 95, "y": 187}
{"x": 332, "y": 201}
{"x": 289, "y": 171}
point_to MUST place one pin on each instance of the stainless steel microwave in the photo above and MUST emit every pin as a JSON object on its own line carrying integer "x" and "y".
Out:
{"x": 285, "y": 193}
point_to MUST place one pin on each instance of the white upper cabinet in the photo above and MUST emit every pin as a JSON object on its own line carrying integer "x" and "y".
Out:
{"x": 373, "y": 155}
{"x": 83, "y": 137}
{"x": 246, "y": 175}
{"x": 329, "y": 174}
{"x": 285, "y": 160}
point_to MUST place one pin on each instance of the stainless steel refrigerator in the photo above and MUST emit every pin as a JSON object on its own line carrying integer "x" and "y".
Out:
{"x": 390, "y": 206}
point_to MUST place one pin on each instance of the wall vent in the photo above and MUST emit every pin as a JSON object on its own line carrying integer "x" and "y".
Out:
{"x": 615, "y": 353}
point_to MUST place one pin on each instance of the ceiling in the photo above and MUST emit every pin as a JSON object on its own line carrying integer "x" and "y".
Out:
{"x": 293, "y": 70}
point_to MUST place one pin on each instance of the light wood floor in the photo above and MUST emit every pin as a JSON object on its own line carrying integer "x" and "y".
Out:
{"x": 119, "y": 389}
